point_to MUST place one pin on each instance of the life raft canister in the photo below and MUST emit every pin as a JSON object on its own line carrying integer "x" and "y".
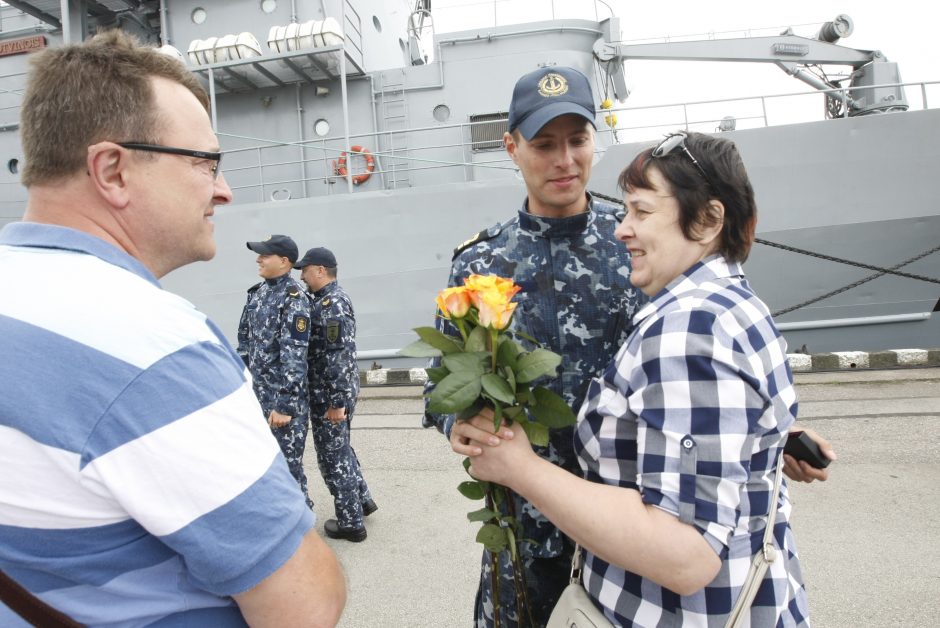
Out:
{"x": 370, "y": 165}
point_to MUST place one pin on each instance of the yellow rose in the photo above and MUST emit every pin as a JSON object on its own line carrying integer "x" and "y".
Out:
{"x": 480, "y": 284}
{"x": 495, "y": 311}
{"x": 454, "y": 302}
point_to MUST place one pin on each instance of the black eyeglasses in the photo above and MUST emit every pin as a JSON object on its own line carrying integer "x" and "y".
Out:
{"x": 677, "y": 140}
{"x": 185, "y": 152}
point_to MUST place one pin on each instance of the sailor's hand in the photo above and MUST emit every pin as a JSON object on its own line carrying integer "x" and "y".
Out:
{"x": 276, "y": 419}
{"x": 802, "y": 471}
{"x": 336, "y": 415}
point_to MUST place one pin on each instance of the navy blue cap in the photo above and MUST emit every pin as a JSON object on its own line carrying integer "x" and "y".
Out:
{"x": 317, "y": 257}
{"x": 275, "y": 245}
{"x": 541, "y": 96}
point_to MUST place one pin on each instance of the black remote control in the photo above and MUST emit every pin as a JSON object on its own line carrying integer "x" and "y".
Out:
{"x": 802, "y": 447}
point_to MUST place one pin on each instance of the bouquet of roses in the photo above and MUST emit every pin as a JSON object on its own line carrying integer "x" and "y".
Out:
{"x": 486, "y": 368}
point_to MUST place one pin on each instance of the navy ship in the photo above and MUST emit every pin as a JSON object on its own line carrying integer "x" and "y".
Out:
{"x": 356, "y": 125}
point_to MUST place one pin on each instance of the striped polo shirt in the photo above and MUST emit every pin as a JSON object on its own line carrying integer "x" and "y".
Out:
{"x": 139, "y": 482}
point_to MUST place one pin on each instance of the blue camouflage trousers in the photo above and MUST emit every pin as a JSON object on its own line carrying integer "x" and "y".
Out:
{"x": 292, "y": 438}
{"x": 339, "y": 466}
{"x": 545, "y": 579}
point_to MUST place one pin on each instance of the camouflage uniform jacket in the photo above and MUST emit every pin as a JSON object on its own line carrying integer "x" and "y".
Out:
{"x": 331, "y": 361}
{"x": 576, "y": 300}
{"x": 273, "y": 335}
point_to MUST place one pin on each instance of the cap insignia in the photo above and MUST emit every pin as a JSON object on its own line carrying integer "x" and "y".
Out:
{"x": 553, "y": 84}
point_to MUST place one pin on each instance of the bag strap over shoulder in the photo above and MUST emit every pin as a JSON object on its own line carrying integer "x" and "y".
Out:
{"x": 30, "y": 607}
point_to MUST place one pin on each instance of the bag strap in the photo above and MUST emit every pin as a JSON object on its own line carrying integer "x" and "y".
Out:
{"x": 761, "y": 560}
{"x": 30, "y": 607}
{"x": 577, "y": 564}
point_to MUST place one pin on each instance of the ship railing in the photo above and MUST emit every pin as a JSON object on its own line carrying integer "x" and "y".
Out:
{"x": 281, "y": 170}
{"x": 752, "y": 111}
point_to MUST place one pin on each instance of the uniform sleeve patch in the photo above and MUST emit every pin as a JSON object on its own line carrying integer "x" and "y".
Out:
{"x": 300, "y": 328}
{"x": 333, "y": 329}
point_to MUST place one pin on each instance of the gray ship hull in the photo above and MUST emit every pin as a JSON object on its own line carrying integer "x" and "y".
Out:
{"x": 858, "y": 188}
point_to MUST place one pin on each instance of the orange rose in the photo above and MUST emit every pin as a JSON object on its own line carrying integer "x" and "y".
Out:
{"x": 494, "y": 309}
{"x": 454, "y": 302}
{"x": 500, "y": 288}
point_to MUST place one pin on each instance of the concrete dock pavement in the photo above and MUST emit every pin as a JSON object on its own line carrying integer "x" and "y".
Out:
{"x": 868, "y": 538}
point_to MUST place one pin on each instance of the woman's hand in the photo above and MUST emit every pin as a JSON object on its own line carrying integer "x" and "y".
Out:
{"x": 802, "y": 471}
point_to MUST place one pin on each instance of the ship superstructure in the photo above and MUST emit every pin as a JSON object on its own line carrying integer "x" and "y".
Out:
{"x": 356, "y": 126}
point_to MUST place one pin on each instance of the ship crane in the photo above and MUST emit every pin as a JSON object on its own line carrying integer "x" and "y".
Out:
{"x": 874, "y": 85}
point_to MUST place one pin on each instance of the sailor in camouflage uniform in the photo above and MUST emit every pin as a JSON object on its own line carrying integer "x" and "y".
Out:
{"x": 273, "y": 335}
{"x": 333, "y": 378}
{"x": 576, "y": 298}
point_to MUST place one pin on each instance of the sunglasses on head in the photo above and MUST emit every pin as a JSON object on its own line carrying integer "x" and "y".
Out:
{"x": 677, "y": 140}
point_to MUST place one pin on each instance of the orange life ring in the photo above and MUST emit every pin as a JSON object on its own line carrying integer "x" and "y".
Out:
{"x": 370, "y": 165}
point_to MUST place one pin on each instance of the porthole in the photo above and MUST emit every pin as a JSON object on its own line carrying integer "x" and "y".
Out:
{"x": 441, "y": 113}
{"x": 282, "y": 194}
{"x": 376, "y": 23}
{"x": 268, "y": 6}
{"x": 198, "y": 15}
{"x": 321, "y": 127}
{"x": 13, "y": 166}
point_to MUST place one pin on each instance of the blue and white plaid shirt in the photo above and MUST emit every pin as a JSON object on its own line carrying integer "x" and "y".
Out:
{"x": 693, "y": 412}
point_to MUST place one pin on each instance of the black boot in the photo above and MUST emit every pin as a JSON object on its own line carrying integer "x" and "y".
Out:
{"x": 334, "y": 531}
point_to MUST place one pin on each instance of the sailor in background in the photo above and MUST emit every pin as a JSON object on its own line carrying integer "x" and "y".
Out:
{"x": 272, "y": 340}
{"x": 333, "y": 378}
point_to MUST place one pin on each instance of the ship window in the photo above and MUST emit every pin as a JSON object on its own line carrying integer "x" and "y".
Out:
{"x": 376, "y": 23}
{"x": 13, "y": 166}
{"x": 442, "y": 113}
{"x": 198, "y": 15}
{"x": 321, "y": 127}
{"x": 487, "y": 129}
{"x": 268, "y": 6}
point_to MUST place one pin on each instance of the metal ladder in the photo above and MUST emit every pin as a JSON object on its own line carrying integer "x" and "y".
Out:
{"x": 395, "y": 161}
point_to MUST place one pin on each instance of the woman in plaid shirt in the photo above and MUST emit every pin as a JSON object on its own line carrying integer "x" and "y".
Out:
{"x": 679, "y": 439}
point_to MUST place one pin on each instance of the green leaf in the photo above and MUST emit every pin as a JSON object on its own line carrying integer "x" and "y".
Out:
{"x": 536, "y": 364}
{"x": 492, "y": 537}
{"x": 511, "y": 540}
{"x": 537, "y": 433}
{"x": 526, "y": 336}
{"x": 508, "y": 352}
{"x": 498, "y": 388}
{"x": 471, "y": 490}
{"x": 466, "y": 464}
{"x": 476, "y": 341}
{"x": 497, "y": 416}
{"x": 419, "y": 349}
{"x": 483, "y": 514}
{"x": 436, "y": 373}
{"x": 465, "y": 363}
{"x": 512, "y": 412}
{"x": 510, "y": 377}
{"x": 550, "y": 409}
{"x": 454, "y": 393}
{"x": 447, "y": 344}
{"x": 471, "y": 411}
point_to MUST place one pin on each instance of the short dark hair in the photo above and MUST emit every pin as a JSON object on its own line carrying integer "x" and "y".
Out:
{"x": 86, "y": 93}
{"x": 722, "y": 163}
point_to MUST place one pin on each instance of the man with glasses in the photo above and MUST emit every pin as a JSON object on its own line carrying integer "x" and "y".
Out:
{"x": 138, "y": 482}
{"x": 272, "y": 341}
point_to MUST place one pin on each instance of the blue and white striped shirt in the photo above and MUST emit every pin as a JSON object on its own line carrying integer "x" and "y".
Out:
{"x": 693, "y": 412}
{"x": 139, "y": 482}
